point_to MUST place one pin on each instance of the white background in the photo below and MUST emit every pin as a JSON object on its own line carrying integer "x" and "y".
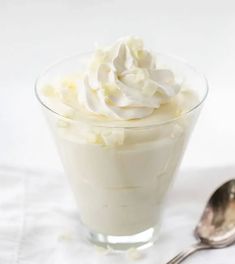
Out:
{"x": 34, "y": 34}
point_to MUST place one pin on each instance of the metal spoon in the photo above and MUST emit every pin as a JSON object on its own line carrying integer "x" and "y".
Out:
{"x": 216, "y": 228}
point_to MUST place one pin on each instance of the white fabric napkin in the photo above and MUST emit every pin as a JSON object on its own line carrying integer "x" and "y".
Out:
{"x": 39, "y": 221}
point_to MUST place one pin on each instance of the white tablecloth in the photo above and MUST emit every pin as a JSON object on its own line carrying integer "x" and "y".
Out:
{"x": 38, "y": 219}
{"x": 40, "y": 223}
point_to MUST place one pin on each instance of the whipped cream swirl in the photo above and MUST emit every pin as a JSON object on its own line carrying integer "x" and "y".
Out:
{"x": 122, "y": 82}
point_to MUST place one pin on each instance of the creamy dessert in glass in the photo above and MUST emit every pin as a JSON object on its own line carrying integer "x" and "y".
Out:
{"x": 121, "y": 117}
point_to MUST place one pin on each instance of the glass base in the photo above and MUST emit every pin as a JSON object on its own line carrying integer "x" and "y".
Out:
{"x": 140, "y": 240}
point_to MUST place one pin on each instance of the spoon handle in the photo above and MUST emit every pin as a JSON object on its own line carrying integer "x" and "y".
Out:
{"x": 184, "y": 254}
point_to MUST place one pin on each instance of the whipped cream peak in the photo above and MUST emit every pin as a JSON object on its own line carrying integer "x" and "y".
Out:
{"x": 122, "y": 82}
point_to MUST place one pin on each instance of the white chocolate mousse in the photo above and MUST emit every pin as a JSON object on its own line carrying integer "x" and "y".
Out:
{"x": 121, "y": 128}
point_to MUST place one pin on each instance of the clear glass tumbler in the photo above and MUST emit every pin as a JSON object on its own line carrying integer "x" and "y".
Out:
{"x": 120, "y": 172}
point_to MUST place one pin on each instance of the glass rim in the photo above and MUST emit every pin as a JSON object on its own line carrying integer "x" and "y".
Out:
{"x": 114, "y": 123}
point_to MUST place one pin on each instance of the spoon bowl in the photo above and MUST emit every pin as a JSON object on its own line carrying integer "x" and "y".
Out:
{"x": 217, "y": 224}
{"x": 216, "y": 228}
